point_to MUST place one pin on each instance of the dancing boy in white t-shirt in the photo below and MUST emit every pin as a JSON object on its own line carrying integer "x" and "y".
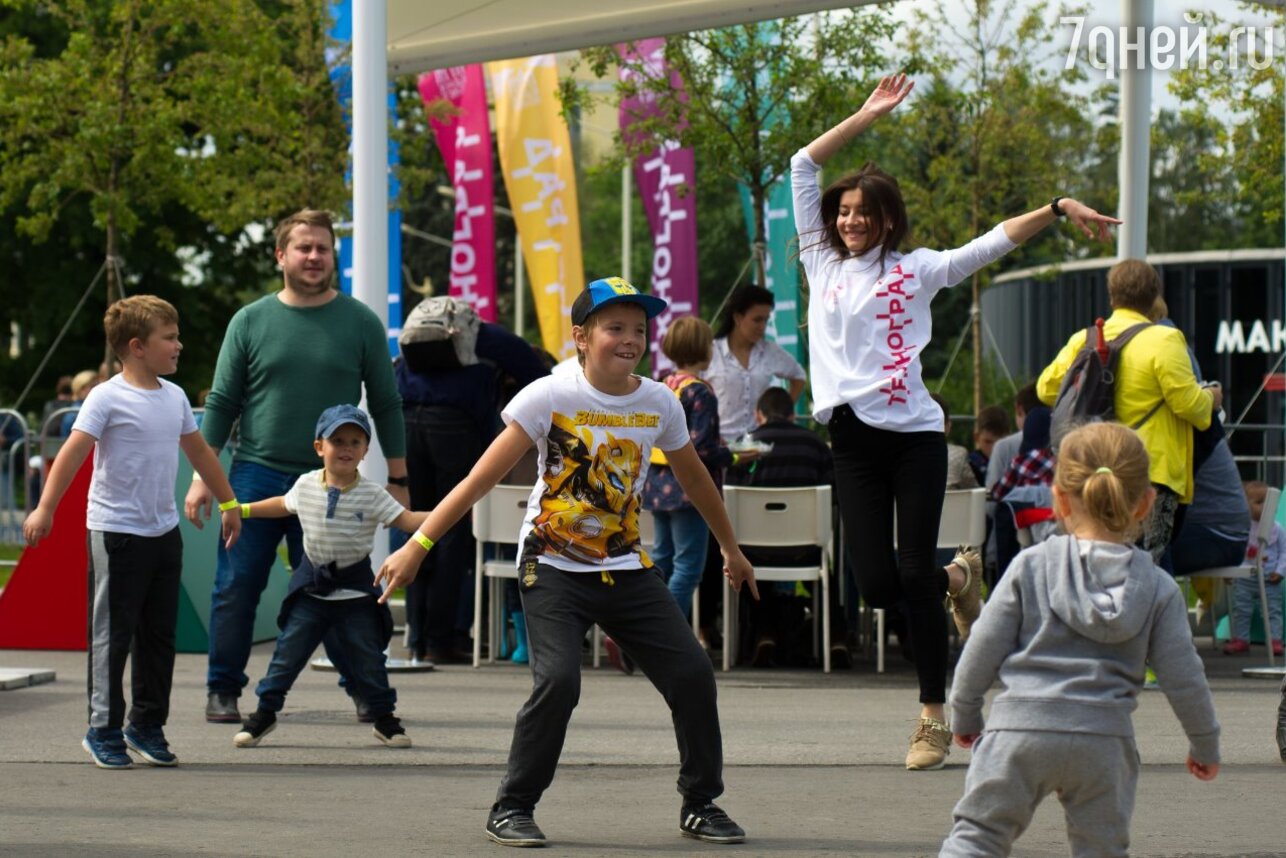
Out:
{"x": 139, "y": 422}
{"x": 581, "y": 562}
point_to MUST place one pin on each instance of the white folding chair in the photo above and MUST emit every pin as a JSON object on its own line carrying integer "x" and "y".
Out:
{"x": 1263, "y": 533}
{"x": 497, "y": 520}
{"x": 964, "y": 522}
{"x": 777, "y": 518}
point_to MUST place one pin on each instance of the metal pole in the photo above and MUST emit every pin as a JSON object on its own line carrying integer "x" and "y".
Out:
{"x": 370, "y": 187}
{"x": 520, "y": 286}
{"x": 627, "y": 212}
{"x": 1136, "y": 120}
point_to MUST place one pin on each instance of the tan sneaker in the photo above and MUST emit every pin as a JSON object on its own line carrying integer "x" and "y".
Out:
{"x": 966, "y": 603}
{"x": 930, "y": 744}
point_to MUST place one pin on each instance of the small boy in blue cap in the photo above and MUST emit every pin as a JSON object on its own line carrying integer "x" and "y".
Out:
{"x": 581, "y": 562}
{"x": 334, "y": 586}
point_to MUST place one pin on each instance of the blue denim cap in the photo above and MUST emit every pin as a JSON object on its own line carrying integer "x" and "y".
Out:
{"x": 338, "y": 415}
{"x": 613, "y": 290}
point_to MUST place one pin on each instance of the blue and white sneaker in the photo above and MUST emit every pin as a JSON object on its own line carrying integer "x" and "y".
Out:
{"x": 107, "y": 747}
{"x": 149, "y": 743}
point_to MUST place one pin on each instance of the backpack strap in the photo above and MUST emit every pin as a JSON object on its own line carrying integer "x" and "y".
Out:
{"x": 1118, "y": 343}
{"x": 657, "y": 457}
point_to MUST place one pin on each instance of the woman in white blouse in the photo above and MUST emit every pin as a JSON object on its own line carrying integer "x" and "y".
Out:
{"x": 869, "y": 322}
{"x": 744, "y": 364}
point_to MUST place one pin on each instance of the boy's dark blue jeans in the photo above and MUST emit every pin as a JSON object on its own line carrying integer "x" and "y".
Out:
{"x": 357, "y": 627}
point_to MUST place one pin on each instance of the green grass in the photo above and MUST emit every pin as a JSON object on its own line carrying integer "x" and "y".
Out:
{"x": 8, "y": 555}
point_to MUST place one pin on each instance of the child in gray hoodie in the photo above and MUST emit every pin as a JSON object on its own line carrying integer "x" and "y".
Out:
{"x": 1068, "y": 631}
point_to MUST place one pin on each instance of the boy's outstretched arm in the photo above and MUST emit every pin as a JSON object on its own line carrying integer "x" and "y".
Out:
{"x": 402, "y": 565}
{"x": 700, "y": 489}
{"x": 410, "y": 520}
{"x": 266, "y": 508}
{"x": 206, "y": 463}
{"x": 66, "y": 464}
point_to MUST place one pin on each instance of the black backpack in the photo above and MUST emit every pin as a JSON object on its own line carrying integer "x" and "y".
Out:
{"x": 1088, "y": 391}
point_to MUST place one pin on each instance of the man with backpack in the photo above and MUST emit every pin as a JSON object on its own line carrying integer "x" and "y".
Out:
{"x": 1146, "y": 370}
{"x": 452, "y": 376}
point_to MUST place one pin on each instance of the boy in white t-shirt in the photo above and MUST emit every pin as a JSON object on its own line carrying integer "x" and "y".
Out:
{"x": 581, "y": 562}
{"x": 139, "y": 422}
{"x": 333, "y": 587}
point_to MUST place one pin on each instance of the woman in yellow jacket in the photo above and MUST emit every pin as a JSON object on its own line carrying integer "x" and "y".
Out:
{"x": 1154, "y": 372}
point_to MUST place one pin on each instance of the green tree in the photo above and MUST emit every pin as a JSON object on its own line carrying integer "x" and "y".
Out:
{"x": 1242, "y": 82}
{"x": 211, "y": 114}
{"x": 752, "y": 94}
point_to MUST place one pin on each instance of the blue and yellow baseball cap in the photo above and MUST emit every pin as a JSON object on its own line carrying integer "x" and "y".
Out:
{"x": 613, "y": 290}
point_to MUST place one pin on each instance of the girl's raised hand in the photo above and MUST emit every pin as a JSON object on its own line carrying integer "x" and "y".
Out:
{"x": 893, "y": 89}
{"x": 1087, "y": 220}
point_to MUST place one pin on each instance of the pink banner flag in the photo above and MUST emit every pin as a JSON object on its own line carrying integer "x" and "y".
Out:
{"x": 666, "y": 182}
{"x": 465, "y": 143}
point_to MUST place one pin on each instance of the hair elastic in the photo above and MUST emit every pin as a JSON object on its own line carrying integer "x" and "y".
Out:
{"x": 1104, "y": 470}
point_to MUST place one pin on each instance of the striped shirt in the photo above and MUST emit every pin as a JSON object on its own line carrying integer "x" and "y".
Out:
{"x": 339, "y": 524}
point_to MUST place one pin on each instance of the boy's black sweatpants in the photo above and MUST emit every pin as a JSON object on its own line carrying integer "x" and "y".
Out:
{"x": 636, "y": 609}
{"x": 134, "y": 607}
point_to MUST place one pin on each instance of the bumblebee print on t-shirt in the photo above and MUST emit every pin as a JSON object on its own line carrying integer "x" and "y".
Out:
{"x": 589, "y": 505}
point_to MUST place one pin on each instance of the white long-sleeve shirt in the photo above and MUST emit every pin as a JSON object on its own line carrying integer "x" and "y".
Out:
{"x": 869, "y": 323}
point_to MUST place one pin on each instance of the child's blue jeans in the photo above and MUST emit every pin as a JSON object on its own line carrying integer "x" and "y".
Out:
{"x": 358, "y": 631}
{"x": 1245, "y": 594}
{"x": 682, "y": 538}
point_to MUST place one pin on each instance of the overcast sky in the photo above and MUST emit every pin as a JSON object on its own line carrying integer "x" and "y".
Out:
{"x": 1107, "y": 13}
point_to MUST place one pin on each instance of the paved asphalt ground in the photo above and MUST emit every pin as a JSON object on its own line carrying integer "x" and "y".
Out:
{"x": 814, "y": 767}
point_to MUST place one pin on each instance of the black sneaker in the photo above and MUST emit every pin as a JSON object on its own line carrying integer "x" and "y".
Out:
{"x": 222, "y": 709}
{"x": 388, "y": 729}
{"x": 513, "y": 826}
{"x": 708, "y": 822}
{"x": 260, "y": 723}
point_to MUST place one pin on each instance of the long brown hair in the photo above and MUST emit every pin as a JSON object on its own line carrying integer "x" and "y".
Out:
{"x": 887, "y": 223}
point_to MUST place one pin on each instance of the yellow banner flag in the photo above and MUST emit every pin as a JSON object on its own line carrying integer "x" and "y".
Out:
{"x": 536, "y": 159}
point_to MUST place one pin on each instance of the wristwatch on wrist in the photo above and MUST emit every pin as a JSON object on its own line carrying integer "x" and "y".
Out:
{"x": 1056, "y": 208}
{"x": 399, "y": 481}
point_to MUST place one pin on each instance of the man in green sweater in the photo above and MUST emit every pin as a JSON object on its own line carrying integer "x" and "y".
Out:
{"x": 285, "y": 359}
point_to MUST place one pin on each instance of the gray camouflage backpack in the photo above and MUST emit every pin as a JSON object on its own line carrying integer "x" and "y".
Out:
{"x": 441, "y": 333}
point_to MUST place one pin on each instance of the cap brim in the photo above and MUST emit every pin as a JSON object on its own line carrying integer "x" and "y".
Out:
{"x": 652, "y": 305}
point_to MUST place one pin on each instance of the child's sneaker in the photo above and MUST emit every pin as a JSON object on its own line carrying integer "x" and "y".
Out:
{"x": 260, "y": 723}
{"x": 1236, "y": 646}
{"x": 930, "y": 744}
{"x": 107, "y": 747}
{"x": 1277, "y": 647}
{"x": 707, "y": 821}
{"x": 388, "y": 729}
{"x": 513, "y": 826}
{"x": 149, "y": 743}
{"x": 966, "y": 603}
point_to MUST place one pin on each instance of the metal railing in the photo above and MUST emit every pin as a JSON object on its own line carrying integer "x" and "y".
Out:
{"x": 13, "y": 468}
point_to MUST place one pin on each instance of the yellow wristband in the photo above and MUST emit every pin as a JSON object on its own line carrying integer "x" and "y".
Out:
{"x": 424, "y": 541}
{"x": 245, "y": 510}
{"x": 735, "y": 459}
{"x": 227, "y": 505}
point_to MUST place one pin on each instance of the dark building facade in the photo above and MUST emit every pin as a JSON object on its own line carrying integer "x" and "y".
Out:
{"x": 1230, "y": 304}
